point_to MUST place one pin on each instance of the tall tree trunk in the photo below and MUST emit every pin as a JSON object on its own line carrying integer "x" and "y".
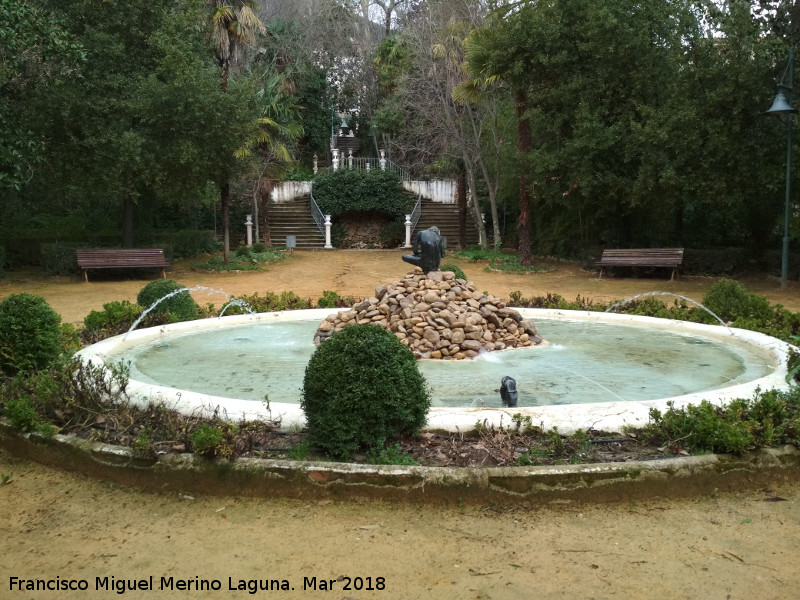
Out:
{"x": 476, "y": 207}
{"x": 462, "y": 207}
{"x": 225, "y": 201}
{"x": 225, "y": 69}
{"x": 524, "y": 147}
{"x": 127, "y": 222}
{"x": 225, "y": 189}
{"x": 264, "y": 193}
{"x": 258, "y": 195}
{"x": 492, "y": 188}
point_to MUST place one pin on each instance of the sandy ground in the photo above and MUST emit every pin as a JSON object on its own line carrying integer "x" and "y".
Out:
{"x": 356, "y": 273}
{"x": 59, "y": 526}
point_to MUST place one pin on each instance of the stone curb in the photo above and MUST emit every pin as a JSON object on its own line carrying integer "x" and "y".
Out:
{"x": 601, "y": 482}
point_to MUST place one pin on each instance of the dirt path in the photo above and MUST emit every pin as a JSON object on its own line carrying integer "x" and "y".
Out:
{"x": 58, "y": 525}
{"x": 54, "y": 524}
{"x": 356, "y": 273}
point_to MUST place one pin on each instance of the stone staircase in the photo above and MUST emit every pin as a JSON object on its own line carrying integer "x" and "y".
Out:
{"x": 445, "y": 217}
{"x": 345, "y": 144}
{"x": 294, "y": 218}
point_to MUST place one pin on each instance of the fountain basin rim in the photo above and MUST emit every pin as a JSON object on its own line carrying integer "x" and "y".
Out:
{"x": 609, "y": 416}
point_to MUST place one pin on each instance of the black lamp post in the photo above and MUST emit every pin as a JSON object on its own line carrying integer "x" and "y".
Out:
{"x": 782, "y": 105}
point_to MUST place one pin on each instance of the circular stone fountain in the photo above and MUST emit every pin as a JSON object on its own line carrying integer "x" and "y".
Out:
{"x": 599, "y": 370}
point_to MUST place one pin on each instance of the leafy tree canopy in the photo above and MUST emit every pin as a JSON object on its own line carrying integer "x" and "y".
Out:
{"x": 35, "y": 48}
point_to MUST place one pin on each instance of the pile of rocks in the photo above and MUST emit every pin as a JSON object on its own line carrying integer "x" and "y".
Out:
{"x": 438, "y": 316}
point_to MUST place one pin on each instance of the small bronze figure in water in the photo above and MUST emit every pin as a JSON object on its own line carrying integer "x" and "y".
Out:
{"x": 508, "y": 391}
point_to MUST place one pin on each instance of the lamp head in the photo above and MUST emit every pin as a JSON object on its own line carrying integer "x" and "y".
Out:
{"x": 780, "y": 106}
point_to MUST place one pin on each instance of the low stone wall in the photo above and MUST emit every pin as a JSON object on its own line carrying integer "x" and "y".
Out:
{"x": 438, "y": 190}
{"x": 606, "y": 482}
{"x": 286, "y": 191}
{"x": 438, "y": 316}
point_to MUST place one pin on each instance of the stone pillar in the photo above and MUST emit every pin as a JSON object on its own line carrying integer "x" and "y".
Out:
{"x": 335, "y": 159}
{"x": 249, "y": 225}
{"x": 383, "y": 160}
{"x": 350, "y": 159}
{"x": 408, "y": 232}
{"x": 367, "y": 165}
{"x": 316, "y": 167}
{"x": 328, "y": 245}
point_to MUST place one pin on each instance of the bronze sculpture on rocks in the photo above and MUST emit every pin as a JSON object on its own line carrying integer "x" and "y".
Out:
{"x": 438, "y": 316}
{"x": 428, "y": 250}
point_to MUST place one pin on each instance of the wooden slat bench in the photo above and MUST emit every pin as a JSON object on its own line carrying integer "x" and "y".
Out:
{"x": 121, "y": 258}
{"x": 642, "y": 257}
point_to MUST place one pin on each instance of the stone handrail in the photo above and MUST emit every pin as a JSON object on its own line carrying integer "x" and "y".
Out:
{"x": 416, "y": 213}
{"x": 316, "y": 213}
{"x": 366, "y": 164}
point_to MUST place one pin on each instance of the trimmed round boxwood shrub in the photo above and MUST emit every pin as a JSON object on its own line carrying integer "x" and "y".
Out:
{"x": 30, "y": 333}
{"x": 362, "y": 388}
{"x": 730, "y": 300}
{"x": 181, "y": 307}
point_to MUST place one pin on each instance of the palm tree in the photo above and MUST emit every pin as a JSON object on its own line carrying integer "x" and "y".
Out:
{"x": 234, "y": 25}
{"x": 277, "y": 127}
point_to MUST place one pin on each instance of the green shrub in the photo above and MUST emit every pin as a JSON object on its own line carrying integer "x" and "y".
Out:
{"x": 207, "y": 440}
{"x": 706, "y": 427}
{"x": 300, "y": 451}
{"x": 22, "y": 415}
{"x": 328, "y": 300}
{"x": 187, "y": 243}
{"x": 719, "y": 262}
{"x": 70, "y": 339}
{"x": 143, "y": 444}
{"x": 729, "y": 299}
{"x": 392, "y": 234}
{"x": 115, "y": 318}
{"x": 391, "y": 455}
{"x": 455, "y": 269}
{"x": 300, "y": 172}
{"x": 244, "y": 259}
{"x": 499, "y": 260}
{"x": 30, "y": 333}
{"x": 476, "y": 253}
{"x": 553, "y": 301}
{"x": 271, "y": 302}
{"x": 333, "y": 300}
{"x": 362, "y": 388}
{"x": 181, "y": 306}
{"x": 352, "y": 190}
{"x": 339, "y": 235}
{"x": 58, "y": 258}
